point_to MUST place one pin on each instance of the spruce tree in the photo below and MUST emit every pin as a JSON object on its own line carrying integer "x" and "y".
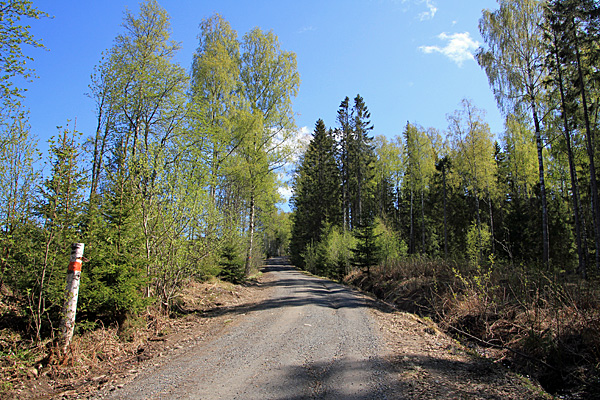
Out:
{"x": 362, "y": 158}
{"x": 317, "y": 191}
{"x": 345, "y": 139}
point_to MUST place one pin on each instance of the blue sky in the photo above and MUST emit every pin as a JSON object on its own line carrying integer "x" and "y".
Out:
{"x": 409, "y": 59}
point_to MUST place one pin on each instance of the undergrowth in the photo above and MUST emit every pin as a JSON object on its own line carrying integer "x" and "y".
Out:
{"x": 545, "y": 326}
{"x": 95, "y": 348}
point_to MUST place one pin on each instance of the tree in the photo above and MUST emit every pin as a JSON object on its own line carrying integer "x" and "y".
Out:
{"x": 443, "y": 165}
{"x": 140, "y": 139}
{"x": 420, "y": 164}
{"x": 366, "y": 254}
{"x": 388, "y": 175}
{"x": 345, "y": 138}
{"x": 514, "y": 63}
{"x": 269, "y": 80}
{"x": 356, "y": 160}
{"x": 317, "y": 191}
{"x": 473, "y": 155}
{"x": 18, "y": 178}
{"x": 573, "y": 30}
{"x": 13, "y": 37}
{"x": 361, "y": 158}
{"x": 61, "y": 208}
{"x": 214, "y": 97}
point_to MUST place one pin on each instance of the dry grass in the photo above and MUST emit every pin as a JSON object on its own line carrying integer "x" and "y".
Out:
{"x": 548, "y": 328}
{"x": 28, "y": 370}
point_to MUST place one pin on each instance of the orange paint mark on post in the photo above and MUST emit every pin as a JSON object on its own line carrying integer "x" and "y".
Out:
{"x": 74, "y": 266}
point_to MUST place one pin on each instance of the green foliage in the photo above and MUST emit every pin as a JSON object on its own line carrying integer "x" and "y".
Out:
{"x": 232, "y": 263}
{"x": 333, "y": 255}
{"x": 112, "y": 284}
{"x": 18, "y": 176}
{"x": 14, "y": 35}
{"x": 366, "y": 254}
{"x": 311, "y": 258}
{"x": 316, "y": 191}
{"x": 337, "y": 252}
{"x": 479, "y": 242}
{"x": 277, "y": 233}
{"x": 389, "y": 244}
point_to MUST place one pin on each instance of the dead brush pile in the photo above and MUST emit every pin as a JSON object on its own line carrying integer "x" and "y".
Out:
{"x": 547, "y": 327}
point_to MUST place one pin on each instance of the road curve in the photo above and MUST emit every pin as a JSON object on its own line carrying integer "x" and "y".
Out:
{"x": 313, "y": 339}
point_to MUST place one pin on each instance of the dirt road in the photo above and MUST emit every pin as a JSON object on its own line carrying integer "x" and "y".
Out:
{"x": 311, "y": 339}
{"x": 314, "y": 339}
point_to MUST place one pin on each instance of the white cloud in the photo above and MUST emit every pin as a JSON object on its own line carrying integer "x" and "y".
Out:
{"x": 285, "y": 192}
{"x": 306, "y": 29}
{"x": 459, "y": 47}
{"x": 431, "y": 10}
{"x": 425, "y": 15}
{"x": 301, "y": 140}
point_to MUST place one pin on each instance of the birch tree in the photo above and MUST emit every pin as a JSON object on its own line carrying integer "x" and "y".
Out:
{"x": 420, "y": 164}
{"x": 269, "y": 81}
{"x": 514, "y": 64}
{"x": 473, "y": 155}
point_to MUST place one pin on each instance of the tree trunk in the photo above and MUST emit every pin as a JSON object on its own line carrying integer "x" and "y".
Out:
{"x": 540, "y": 146}
{"x": 581, "y": 253}
{"x": 359, "y": 191}
{"x": 479, "y": 239}
{"x": 411, "y": 246}
{"x": 422, "y": 221}
{"x": 590, "y": 150}
{"x": 97, "y": 154}
{"x": 345, "y": 179}
{"x": 445, "y": 213}
{"x": 491, "y": 223}
{"x": 251, "y": 233}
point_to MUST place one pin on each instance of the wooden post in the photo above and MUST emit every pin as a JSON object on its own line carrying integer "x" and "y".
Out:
{"x": 67, "y": 325}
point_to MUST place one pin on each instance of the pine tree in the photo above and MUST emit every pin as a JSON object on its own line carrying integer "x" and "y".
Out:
{"x": 366, "y": 254}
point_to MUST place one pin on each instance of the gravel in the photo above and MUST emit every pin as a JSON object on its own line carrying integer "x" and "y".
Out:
{"x": 313, "y": 339}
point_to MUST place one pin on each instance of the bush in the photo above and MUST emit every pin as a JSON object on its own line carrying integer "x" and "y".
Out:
{"x": 332, "y": 256}
{"x": 232, "y": 264}
{"x": 392, "y": 249}
{"x": 112, "y": 285}
{"x": 544, "y": 326}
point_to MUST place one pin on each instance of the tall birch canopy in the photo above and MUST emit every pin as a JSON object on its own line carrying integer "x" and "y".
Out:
{"x": 514, "y": 64}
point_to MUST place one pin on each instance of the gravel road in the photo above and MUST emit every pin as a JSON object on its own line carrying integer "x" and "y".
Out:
{"x": 313, "y": 339}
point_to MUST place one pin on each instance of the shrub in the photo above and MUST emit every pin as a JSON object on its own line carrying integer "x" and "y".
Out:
{"x": 232, "y": 264}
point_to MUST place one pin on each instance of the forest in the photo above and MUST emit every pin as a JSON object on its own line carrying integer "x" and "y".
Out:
{"x": 178, "y": 181}
{"x": 496, "y": 238}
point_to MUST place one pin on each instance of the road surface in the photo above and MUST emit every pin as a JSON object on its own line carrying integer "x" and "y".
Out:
{"x": 313, "y": 339}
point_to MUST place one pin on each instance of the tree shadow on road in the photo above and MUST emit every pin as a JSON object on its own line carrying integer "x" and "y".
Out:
{"x": 422, "y": 377}
{"x": 300, "y": 290}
